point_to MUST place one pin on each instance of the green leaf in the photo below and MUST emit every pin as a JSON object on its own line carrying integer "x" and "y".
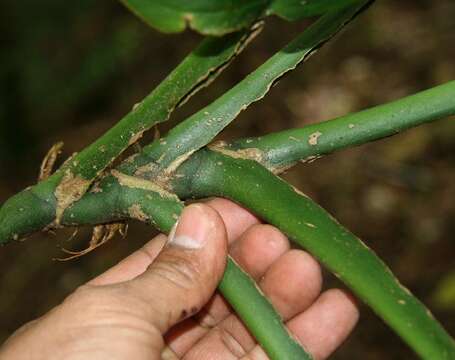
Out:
{"x": 217, "y": 17}
{"x": 293, "y": 10}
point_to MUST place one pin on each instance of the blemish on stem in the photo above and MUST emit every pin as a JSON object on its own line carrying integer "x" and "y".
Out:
{"x": 49, "y": 161}
{"x": 246, "y": 154}
{"x": 138, "y": 183}
{"x": 136, "y": 106}
{"x": 70, "y": 189}
{"x": 177, "y": 162}
{"x": 313, "y": 138}
{"x": 135, "y": 212}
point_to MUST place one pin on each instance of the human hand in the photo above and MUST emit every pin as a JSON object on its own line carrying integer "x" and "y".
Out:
{"x": 160, "y": 302}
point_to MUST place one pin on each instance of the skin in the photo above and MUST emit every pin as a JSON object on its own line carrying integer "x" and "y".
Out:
{"x": 161, "y": 303}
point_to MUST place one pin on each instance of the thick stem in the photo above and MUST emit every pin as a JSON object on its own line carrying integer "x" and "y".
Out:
{"x": 43, "y": 205}
{"x": 122, "y": 196}
{"x": 311, "y": 227}
{"x": 282, "y": 149}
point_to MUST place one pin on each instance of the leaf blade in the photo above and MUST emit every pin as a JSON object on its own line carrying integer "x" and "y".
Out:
{"x": 223, "y": 16}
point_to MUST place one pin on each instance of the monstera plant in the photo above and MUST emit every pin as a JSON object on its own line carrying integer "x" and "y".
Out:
{"x": 184, "y": 164}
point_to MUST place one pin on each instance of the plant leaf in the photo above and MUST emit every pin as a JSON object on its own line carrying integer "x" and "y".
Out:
{"x": 223, "y": 16}
{"x": 293, "y": 10}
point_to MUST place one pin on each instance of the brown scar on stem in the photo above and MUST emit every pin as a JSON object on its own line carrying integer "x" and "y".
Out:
{"x": 173, "y": 166}
{"x": 246, "y": 154}
{"x": 49, "y": 160}
{"x": 135, "y": 212}
{"x": 313, "y": 138}
{"x": 138, "y": 183}
{"x": 254, "y": 154}
{"x": 145, "y": 169}
{"x": 70, "y": 189}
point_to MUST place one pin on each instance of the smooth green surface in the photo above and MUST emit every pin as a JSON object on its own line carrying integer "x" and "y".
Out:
{"x": 201, "y": 128}
{"x": 258, "y": 315}
{"x": 311, "y": 227}
{"x": 217, "y": 17}
{"x": 286, "y": 147}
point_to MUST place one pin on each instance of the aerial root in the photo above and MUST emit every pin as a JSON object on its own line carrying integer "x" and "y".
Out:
{"x": 47, "y": 165}
{"x": 101, "y": 235}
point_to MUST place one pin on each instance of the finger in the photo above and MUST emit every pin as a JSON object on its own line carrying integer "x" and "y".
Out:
{"x": 323, "y": 327}
{"x": 237, "y": 218}
{"x": 185, "y": 274}
{"x": 292, "y": 283}
{"x": 327, "y": 323}
{"x": 133, "y": 265}
{"x": 256, "y": 250}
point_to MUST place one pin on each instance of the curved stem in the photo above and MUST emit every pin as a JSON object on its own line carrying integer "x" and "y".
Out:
{"x": 130, "y": 197}
{"x": 258, "y": 314}
{"x": 201, "y": 128}
{"x": 43, "y": 205}
{"x": 282, "y": 149}
{"x": 311, "y": 227}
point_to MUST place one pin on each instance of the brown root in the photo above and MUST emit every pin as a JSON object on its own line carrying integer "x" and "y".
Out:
{"x": 101, "y": 235}
{"x": 47, "y": 165}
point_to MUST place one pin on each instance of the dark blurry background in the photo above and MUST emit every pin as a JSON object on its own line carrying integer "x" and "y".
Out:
{"x": 70, "y": 69}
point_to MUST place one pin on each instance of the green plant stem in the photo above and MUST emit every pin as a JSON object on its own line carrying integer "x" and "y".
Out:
{"x": 53, "y": 196}
{"x": 201, "y": 128}
{"x": 282, "y": 149}
{"x": 123, "y": 197}
{"x": 258, "y": 314}
{"x": 197, "y": 70}
{"x": 42, "y": 205}
{"x": 311, "y": 227}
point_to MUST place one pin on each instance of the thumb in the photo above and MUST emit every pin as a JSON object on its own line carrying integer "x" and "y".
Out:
{"x": 184, "y": 276}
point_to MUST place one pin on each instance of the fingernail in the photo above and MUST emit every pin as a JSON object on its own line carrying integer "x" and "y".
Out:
{"x": 192, "y": 228}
